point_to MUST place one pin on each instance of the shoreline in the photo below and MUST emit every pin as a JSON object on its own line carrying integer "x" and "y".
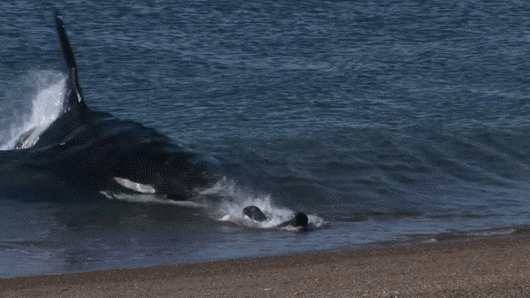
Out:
{"x": 495, "y": 265}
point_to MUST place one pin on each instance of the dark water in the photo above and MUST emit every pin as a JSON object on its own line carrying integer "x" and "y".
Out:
{"x": 390, "y": 120}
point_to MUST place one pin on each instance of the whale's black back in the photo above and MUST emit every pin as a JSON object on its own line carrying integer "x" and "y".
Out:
{"x": 93, "y": 149}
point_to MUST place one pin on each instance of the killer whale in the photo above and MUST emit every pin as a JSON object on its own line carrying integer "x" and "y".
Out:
{"x": 98, "y": 152}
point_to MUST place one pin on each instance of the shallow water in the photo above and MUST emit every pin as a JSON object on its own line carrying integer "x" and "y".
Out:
{"x": 390, "y": 121}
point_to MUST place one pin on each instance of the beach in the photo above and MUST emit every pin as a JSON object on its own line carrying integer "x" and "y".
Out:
{"x": 482, "y": 267}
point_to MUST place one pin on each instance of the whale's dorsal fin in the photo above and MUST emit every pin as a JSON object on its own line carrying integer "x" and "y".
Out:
{"x": 74, "y": 111}
{"x": 73, "y": 97}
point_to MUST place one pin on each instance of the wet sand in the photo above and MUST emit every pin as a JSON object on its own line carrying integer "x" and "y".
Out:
{"x": 488, "y": 267}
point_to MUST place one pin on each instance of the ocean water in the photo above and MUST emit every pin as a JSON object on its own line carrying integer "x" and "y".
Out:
{"x": 384, "y": 121}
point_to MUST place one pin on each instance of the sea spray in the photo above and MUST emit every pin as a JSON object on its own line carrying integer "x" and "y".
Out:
{"x": 46, "y": 104}
{"x": 235, "y": 199}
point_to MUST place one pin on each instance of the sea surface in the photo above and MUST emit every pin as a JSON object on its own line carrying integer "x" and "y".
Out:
{"x": 385, "y": 121}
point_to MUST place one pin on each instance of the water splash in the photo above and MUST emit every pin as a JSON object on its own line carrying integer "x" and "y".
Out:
{"x": 46, "y": 104}
{"x": 235, "y": 199}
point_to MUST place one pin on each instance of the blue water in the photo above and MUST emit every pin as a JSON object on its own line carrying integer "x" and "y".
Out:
{"x": 390, "y": 120}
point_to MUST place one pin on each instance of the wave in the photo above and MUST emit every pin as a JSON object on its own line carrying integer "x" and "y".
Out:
{"x": 391, "y": 172}
{"x": 350, "y": 172}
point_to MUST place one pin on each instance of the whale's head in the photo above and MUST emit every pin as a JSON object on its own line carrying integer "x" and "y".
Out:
{"x": 153, "y": 170}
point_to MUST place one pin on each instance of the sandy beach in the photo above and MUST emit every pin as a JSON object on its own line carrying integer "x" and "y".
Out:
{"x": 488, "y": 267}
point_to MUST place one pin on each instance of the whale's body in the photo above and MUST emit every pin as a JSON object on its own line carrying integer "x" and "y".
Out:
{"x": 98, "y": 152}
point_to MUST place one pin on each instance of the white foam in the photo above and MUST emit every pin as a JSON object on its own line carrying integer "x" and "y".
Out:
{"x": 235, "y": 199}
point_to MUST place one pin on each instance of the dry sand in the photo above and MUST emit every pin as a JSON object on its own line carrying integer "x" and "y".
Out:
{"x": 490, "y": 267}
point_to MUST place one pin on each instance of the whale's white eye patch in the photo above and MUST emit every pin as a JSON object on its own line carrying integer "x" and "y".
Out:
{"x": 143, "y": 188}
